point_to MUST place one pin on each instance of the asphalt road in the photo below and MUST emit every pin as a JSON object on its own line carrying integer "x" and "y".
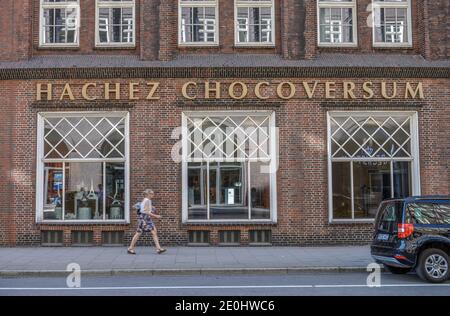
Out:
{"x": 229, "y": 285}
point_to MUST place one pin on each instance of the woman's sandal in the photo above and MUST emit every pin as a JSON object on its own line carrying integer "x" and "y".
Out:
{"x": 131, "y": 252}
{"x": 160, "y": 251}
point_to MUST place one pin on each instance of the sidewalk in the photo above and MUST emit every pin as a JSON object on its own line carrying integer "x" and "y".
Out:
{"x": 183, "y": 260}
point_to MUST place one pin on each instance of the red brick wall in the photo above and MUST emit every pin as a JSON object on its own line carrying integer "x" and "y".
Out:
{"x": 156, "y": 31}
{"x": 16, "y": 29}
{"x": 302, "y": 177}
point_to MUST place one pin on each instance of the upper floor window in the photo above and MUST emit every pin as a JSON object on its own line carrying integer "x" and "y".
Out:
{"x": 115, "y": 23}
{"x": 198, "y": 22}
{"x": 59, "y": 22}
{"x": 337, "y": 22}
{"x": 392, "y": 22}
{"x": 254, "y": 21}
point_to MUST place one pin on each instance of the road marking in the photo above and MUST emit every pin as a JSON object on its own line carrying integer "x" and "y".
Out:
{"x": 220, "y": 287}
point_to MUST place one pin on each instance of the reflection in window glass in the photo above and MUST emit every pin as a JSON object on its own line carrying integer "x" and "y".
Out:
{"x": 254, "y": 22}
{"x": 59, "y": 22}
{"x": 336, "y": 21}
{"x": 83, "y": 163}
{"x": 197, "y": 201}
{"x": 115, "y": 190}
{"x": 227, "y": 160}
{"x": 374, "y": 151}
{"x": 342, "y": 195}
{"x": 260, "y": 190}
{"x": 422, "y": 213}
{"x": 83, "y": 183}
{"x": 198, "y": 23}
{"x": 53, "y": 190}
{"x": 115, "y": 22}
{"x": 371, "y": 185}
{"x": 391, "y": 22}
{"x": 228, "y": 190}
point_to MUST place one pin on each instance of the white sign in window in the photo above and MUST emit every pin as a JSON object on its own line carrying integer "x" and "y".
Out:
{"x": 372, "y": 156}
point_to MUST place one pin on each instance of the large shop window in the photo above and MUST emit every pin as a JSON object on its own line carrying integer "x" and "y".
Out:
{"x": 115, "y": 23}
{"x": 59, "y": 22}
{"x": 255, "y": 22}
{"x": 337, "y": 22}
{"x": 198, "y": 22}
{"x": 372, "y": 156}
{"x": 82, "y": 168}
{"x": 229, "y": 166}
{"x": 392, "y": 23}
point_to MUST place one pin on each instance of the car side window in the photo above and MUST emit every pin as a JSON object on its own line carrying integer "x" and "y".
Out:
{"x": 422, "y": 213}
{"x": 388, "y": 218}
{"x": 443, "y": 211}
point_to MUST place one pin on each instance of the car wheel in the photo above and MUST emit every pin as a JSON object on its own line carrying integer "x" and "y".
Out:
{"x": 397, "y": 270}
{"x": 433, "y": 265}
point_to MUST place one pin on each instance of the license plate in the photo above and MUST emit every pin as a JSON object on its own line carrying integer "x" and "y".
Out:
{"x": 383, "y": 237}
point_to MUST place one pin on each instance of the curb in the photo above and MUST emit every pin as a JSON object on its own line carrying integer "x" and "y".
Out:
{"x": 201, "y": 271}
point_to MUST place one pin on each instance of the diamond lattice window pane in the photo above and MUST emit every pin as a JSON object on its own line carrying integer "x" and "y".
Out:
{"x": 365, "y": 136}
{"x": 228, "y": 137}
{"x": 77, "y": 137}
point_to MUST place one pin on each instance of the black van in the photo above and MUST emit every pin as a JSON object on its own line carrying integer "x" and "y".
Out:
{"x": 414, "y": 233}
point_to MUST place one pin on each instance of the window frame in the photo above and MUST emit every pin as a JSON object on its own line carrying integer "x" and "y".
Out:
{"x": 338, "y": 5}
{"x": 415, "y": 160}
{"x": 273, "y": 161}
{"x": 201, "y": 4}
{"x": 113, "y": 4}
{"x": 249, "y": 4}
{"x": 58, "y": 5}
{"x": 40, "y": 164}
{"x": 393, "y": 4}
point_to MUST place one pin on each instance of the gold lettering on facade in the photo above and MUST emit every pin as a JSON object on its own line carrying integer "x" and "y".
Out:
{"x": 367, "y": 87}
{"x": 215, "y": 89}
{"x": 232, "y": 92}
{"x": 84, "y": 91}
{"x": 153, "y": 89}
{"x": 184, "y": 90}
{"x": 309, "y": 92}
{"x": 330, "y": 89}
{"x": 48, "y": 91}
{"x": 280, "y": 88}
{"x": 67, "y": 91}
{"x": 109, "y": 90}
{"x": 349, "y": 90}
{"x": 133, "y": 89}
{"x": 258, "y": 93}
{"x": 413, "y": 93}
{"x": 384, "y": 92}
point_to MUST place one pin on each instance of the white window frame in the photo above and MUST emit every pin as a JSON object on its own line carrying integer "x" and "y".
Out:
{"x": 40, "y": 166}
{"x": 200, "y": 4}
{"x": 393, "y": 4}
{"x": 415, "y": 160}
{"x": 113, "y": 4}
{"x": 273, "y": 162}
{"x": 338, "y": 5}
{"x": 250, "y": 4}
{"x": 58, "y": 5}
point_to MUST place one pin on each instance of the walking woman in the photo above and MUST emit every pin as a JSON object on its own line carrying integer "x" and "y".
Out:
{"x": 145, "y": 224}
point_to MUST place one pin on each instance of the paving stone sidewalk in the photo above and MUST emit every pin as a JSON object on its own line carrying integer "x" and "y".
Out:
{"x": 183, "y": 259}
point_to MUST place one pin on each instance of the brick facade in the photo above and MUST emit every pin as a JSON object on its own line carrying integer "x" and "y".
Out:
{"x": 302, "y": 179}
